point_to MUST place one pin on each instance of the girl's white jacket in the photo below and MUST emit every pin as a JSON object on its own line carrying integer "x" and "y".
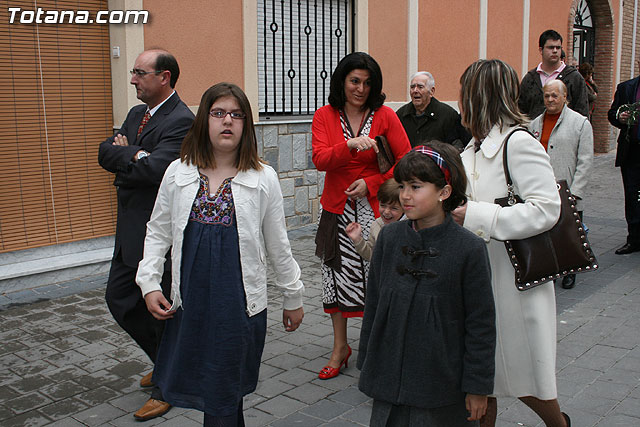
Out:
{"x": 261, "y": 230}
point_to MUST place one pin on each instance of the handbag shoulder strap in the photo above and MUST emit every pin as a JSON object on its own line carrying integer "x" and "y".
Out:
{"x": 505, "y": 165}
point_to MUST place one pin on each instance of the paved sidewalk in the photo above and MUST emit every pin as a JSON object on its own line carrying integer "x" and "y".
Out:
{"x": 66, "y": 363}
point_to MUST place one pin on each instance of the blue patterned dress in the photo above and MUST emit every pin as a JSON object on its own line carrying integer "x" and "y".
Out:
{"x": 210, "y": 353}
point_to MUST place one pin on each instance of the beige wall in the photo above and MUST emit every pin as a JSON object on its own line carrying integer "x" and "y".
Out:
{"x": 206, "y": 39}
{"x": 448, "y": 42}
{"x": 504, "y": 31}
{"x": 389, "y": 47}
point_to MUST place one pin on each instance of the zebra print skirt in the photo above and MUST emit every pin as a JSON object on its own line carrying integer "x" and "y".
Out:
{"x": 343, "y": 291}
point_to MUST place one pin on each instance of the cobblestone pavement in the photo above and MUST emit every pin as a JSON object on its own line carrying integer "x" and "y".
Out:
{"x": 66, "y": 363}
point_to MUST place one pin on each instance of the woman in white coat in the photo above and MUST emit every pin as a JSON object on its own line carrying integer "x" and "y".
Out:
{"x": 525, "y": 321}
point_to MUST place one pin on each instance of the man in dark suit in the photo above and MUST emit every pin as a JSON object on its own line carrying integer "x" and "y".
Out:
{"x": 628, "y": 159}
{"x": 149, "y": 139}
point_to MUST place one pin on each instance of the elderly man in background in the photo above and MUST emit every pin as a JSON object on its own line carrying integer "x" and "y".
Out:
{"x": 568, "y": 138}
{"x": 427, "y": 119}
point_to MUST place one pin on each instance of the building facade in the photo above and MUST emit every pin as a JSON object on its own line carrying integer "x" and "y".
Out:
{"x": 66, "y": 88}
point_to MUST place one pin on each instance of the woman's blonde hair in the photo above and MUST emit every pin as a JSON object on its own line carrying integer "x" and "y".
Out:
{"x": 489, "y": 91}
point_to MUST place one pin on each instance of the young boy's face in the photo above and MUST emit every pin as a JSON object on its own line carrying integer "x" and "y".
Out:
{"x": 390, "y": 212}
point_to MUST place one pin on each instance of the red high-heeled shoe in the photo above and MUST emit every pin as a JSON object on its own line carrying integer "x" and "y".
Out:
{"x": 330, "y": 372}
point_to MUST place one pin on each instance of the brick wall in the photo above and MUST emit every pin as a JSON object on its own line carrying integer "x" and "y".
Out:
{"x": 603, "y": 133}
{"x": 287, "y": 148}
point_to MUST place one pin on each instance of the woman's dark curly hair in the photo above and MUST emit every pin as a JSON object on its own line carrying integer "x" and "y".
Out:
{"x": 416, "y": 165}
{"x": 356, "y": 61}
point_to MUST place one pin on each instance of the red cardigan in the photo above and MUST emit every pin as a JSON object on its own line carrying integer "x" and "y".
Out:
{"x": 344, "y": 165}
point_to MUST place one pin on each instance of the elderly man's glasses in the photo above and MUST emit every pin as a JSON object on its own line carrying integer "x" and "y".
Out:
{"x": 142, "y": 73}
{"x": 221, "y": 114}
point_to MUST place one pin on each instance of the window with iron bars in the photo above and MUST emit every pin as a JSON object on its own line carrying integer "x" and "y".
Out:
{"x": 300, "y": 42}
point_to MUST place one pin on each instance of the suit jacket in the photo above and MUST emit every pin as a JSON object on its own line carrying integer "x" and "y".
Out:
{"x": 531, "y": 101}
{"x": 628, "y": 149}
{"x": 137, "y": 182}
{"x": 570, "y": 149}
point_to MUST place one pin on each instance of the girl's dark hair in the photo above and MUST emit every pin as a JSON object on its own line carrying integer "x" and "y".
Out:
{"x": 416, "y": 165}
{"x": 196, "y": 147}
{"x": 389, "y": 192}
{"x": 356, "y": 61}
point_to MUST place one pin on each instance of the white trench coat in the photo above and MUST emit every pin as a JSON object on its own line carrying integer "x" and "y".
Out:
{"x": 525, "y": 321}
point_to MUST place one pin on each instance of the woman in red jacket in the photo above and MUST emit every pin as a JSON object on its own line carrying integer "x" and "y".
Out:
{"x": 344, "y": 147}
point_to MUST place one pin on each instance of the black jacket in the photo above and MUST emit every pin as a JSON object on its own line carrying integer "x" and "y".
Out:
{"x": 137, "y": 182}
{"x": 439, "y": 122}
{"x": 428, "y": 333}
{"x": 531, "y": 100}
{"x": 628, "y": 148}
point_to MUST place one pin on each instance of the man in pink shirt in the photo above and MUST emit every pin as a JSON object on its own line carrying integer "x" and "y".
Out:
{"x": 531, "y": 100}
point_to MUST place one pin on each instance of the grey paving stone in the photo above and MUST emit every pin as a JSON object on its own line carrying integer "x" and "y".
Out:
{"x": 309, "y": 393}
{"x": 29, "y": 384}
{"x": 7, "y": 393}
{"x": 327, "y": 410}
{"x": 66, "y": 358}
{"x": 65, "y": 373}
{"x": 285, "y": 361}
{"x": 27, "y": 402}
{"x": 61, "y": 409}
{"x": 66, "y": 422}
{"x": 360, "y": 415}
{"x": 62, "y": 390}
{"x": 32, "y": 368}
{"x": 255, "y": 418}
{"x": 97, "y": 396}
{"x": 297, "y": 419}
{"x": 608, "y": 389}
{"x": 280, "y": 406}
{"x": 630, "y": 407}
{"x": 619, "y": 420}
{"x": 98, "y": 415}
{"x": 350, "y": 396}
{"x": 179, "y": 421}
{"x": 30, "y": 419}
{"x": 272, "y": 388}
{"x": 597, "y": 405}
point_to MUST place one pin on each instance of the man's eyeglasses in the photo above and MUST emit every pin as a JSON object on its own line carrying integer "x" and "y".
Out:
{"x": 142, "y": 73}
{"x": 221, "y": 114}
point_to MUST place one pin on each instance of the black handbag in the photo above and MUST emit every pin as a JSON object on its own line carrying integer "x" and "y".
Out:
{"x": 552, "y": 254}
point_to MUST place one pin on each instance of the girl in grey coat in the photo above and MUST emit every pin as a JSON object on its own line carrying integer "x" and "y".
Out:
{"x": 428, "y": 335}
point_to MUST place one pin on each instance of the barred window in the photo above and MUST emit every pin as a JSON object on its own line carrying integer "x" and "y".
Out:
{"x": 299, "y": 44}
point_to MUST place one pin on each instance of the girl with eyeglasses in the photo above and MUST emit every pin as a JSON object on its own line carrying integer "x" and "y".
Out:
{"x": 219, "y": 209}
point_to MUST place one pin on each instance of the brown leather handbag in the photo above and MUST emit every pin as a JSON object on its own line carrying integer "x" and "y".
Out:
{"x": 552, "y": 254}
{"x": 385, "y": 156}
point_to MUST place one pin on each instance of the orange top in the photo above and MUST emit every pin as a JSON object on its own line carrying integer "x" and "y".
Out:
{"x": 548, "y": 124}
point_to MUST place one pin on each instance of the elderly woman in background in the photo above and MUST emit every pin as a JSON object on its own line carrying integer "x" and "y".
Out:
{"x": 343, "y": 146}
{"x": 525, "y": 321}
{"x": 567, "y": 137}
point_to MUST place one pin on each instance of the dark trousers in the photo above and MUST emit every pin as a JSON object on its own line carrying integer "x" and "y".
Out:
{"x": 631, "y": 183}
{"x": 128, "y": 308}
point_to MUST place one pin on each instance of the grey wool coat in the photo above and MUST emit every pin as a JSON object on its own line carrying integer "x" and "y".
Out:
{"x": 570, "y": 149}
{"x": 428, "y": 333}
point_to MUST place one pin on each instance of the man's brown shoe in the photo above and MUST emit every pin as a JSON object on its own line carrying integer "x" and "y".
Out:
{"x": 152, "y": 409}
{"x": 146, "y": 380}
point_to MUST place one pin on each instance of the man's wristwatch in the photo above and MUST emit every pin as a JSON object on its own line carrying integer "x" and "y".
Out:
{"x": 141, "y": 155}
